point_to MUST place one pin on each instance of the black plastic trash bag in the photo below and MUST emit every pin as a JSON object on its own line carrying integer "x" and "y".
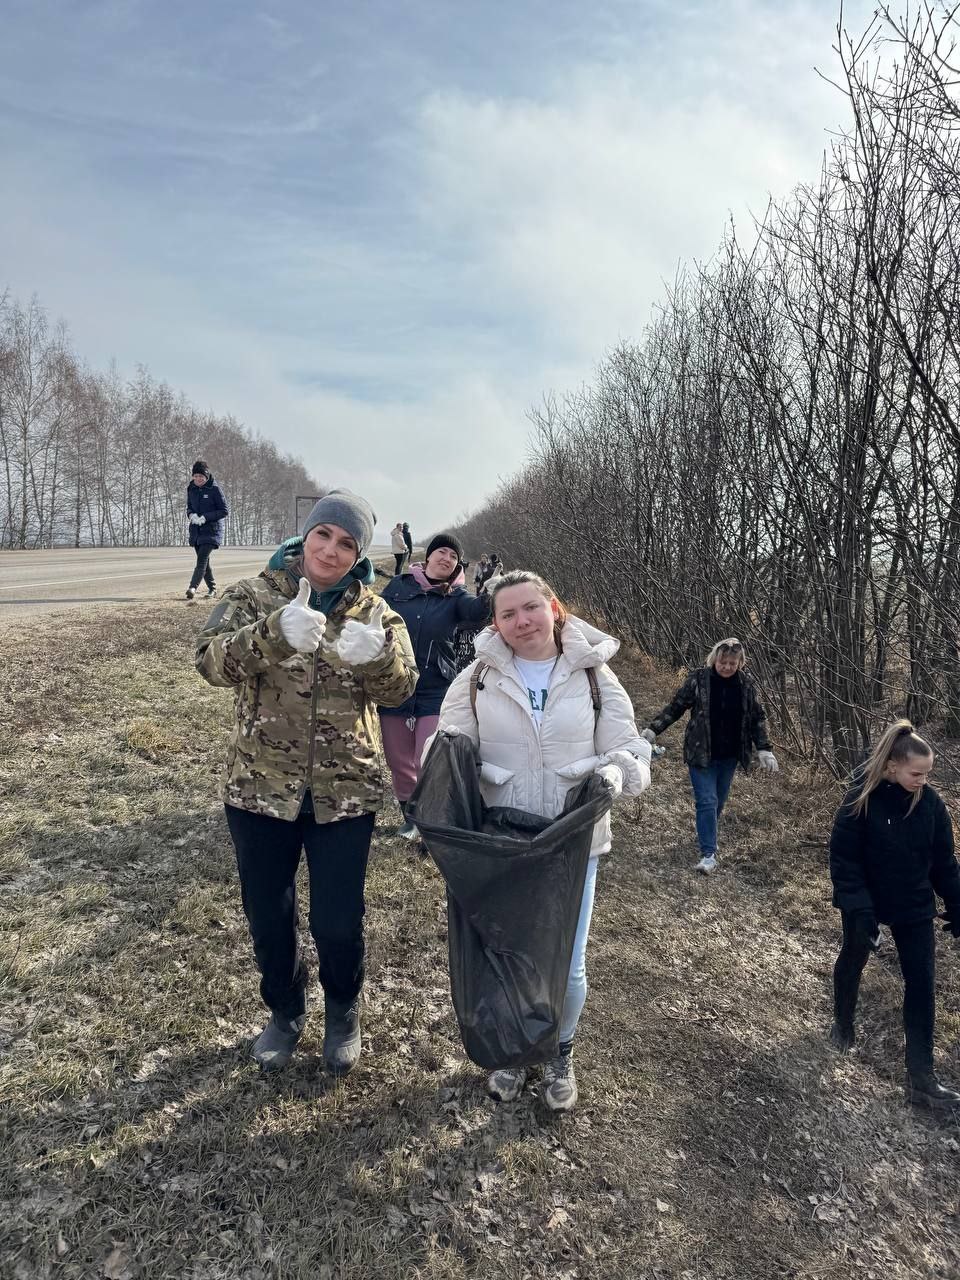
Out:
{"x": 514, "y": 884}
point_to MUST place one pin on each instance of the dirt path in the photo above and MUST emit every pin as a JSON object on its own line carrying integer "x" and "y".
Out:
{"x": 717, "y": 1136}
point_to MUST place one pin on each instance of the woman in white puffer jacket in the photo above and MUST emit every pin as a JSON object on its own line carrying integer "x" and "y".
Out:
{"x": 540, "y": 732}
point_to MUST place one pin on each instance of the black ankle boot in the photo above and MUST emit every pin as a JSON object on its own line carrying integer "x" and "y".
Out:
{"x": 341, "y": 1035}
{"x": 842, "y": 1036}
{"x": 923, "y": 1089}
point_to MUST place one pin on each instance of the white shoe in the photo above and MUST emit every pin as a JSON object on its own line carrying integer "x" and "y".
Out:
{"x": 559, "y": 1089}
{"x": 707, "y": 864}
{"x": 191, "y": 592}
{"x": 507, "y": 1083}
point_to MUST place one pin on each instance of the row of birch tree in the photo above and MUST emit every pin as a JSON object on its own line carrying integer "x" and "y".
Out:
{"x": 89, "y": 459}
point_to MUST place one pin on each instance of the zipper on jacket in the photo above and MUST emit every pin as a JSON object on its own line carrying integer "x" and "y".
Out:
{"x": 313, "y": 726}
{"x": 256, "y": 706}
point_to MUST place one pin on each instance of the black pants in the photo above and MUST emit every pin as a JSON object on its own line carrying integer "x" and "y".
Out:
{"x": 399, "y": 557}
{"x": 203, "y": 569}
{"x": 914, "y": 944}
{"x": 268, "y": 854}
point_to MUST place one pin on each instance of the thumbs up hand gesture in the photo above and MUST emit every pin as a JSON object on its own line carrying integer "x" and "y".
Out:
{"x": 301, "y": 626}
{"x": 361, "y": 642}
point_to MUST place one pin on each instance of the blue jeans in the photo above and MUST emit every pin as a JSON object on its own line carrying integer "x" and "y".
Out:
{"x": 576, "y": 996}
{"x": 710, "y": 789}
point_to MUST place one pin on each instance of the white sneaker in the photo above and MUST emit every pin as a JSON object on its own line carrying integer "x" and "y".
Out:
{"x": 559, "y": 1089}
{"x": 506, "y": 1083}
{"x": 707, "y": 864}
{"x": 191, "y": 592}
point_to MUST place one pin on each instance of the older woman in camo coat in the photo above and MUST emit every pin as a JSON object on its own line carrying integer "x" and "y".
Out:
{"x": 310, "y": 651}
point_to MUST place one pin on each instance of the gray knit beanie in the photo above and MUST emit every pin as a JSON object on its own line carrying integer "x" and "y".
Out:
{"x": 350, "y": 512}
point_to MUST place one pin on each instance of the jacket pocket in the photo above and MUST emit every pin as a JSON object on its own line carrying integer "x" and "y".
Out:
{"x": 494, "y": 775}
{"x": 579, "y": 769}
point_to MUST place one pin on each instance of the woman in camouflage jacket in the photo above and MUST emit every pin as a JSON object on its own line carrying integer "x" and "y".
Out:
{"x": 727, "y": 721}
{"x": 310, "y": 651}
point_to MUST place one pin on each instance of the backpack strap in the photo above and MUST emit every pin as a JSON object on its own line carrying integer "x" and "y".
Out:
{"x": 476, "y": 683}
{"x": 594, "y": 694}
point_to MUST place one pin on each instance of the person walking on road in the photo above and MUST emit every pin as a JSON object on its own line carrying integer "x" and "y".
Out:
{"x": 398, "y": 545}
{"x": 310, "y": 651}
{"x": 433, "y": 602}
{"x": 546, "y": 711}
{"x": 407, "y": 541}
{"x": 206, "y": 511}
{"x": 891, "y": 855}
{"x": 727, "y": 721}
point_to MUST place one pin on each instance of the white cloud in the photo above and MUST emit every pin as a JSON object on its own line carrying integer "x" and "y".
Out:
{"x": 395, "y": 332}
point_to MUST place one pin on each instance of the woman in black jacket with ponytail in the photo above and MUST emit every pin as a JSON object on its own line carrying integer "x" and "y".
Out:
{"x": 891, "y": 855}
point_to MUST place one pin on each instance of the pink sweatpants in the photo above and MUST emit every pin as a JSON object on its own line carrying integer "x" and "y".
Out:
{"x": 403, "y": 743}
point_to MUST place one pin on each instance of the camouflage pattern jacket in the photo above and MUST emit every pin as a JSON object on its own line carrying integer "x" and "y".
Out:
{"x": 694, "y": 696}
{"x": 303, "y": 719}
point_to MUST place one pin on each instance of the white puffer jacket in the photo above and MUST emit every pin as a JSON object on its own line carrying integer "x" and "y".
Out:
{"x": 532, "y": 770}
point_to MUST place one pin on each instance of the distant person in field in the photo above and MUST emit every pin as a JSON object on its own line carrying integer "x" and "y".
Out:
{"x": 407, "y": 540}
{"x": 493, "y": 572}
{"x": 727, "y": 721}
{"x": 398, "y": 545}
{"x": 433, "y": 602}
{"x": 480, "y": 573}
{"x": 206, "y": 512}
{"x": 547, "y": 713}
{"x": 891, "y": 856}
{"x": 310, "y": 651}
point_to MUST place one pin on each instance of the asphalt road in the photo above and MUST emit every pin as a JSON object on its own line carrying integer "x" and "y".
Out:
{"x": 49, "y": 582}
{"x": 34, "y": 582}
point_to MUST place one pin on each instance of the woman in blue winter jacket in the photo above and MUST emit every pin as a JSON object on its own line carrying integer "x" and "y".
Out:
{"x": 891, "y": 855}
{"x": 206, "y": 510}
{"x": 433, "y": 602}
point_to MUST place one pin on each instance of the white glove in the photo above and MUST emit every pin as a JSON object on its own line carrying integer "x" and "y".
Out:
{"x": 648, "y": 736}
{"x": 768, "y": 761}
{"x": 194, "y": 518}
{"x": 301, "y": 626}
{"x": 362, "y": 642}
{"x": 201, "y": 519}
{"x": 612, "y": 775}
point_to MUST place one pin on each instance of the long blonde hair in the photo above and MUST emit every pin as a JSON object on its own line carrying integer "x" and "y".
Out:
{"x": 898, "y": 742}
{"x": 730, "y": 645}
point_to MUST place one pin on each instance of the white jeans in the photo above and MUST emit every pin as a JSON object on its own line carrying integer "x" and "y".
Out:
{"x": 576, "y": 995}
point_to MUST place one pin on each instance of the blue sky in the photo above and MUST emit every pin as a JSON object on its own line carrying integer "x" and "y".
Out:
{"x": 379, "y": 232}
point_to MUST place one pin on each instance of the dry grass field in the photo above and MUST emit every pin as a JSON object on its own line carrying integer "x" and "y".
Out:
{"x": 717, "y": 1136}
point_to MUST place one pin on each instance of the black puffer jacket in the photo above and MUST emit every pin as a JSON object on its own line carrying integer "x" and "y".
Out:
{"x": 892, "y": 862}
{"x": 432, "y": 615}
{"x": 206, "y": 500}
{"x": 694, "y": 696}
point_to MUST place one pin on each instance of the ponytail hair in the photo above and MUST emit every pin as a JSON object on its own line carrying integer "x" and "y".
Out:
{"x": 898, "y": 742}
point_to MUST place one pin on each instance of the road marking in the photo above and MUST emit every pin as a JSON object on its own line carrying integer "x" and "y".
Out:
{"x": 109, "y": 577}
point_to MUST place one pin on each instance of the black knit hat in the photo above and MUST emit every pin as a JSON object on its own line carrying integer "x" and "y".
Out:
{"x": 444, "y": 540}
{"x": 200, "y": 468}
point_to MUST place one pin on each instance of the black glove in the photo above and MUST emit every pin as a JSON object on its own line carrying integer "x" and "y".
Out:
{"x": 952, "y": 918}
{"x": 866, "y": 929}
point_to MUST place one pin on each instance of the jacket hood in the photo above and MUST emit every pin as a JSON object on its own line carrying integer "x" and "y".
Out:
{"x": 583, "y": 646}
{"x": 419, "y": 572}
